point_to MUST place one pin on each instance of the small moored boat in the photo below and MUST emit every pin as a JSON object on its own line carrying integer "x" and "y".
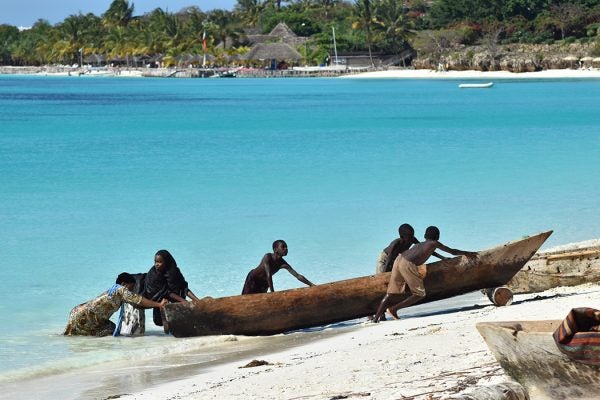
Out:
{"x": 476, "y": 85}
{"x": 277, "y": 312}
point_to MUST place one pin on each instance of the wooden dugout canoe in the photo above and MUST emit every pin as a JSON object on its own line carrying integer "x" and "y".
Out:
{"x": 546, "y": 270}
{"x": 527, "y": 352}
{"x": 272, "y": 313}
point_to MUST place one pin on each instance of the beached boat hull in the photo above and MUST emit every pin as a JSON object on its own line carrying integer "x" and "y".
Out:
{"x": 527, "y": 352}
{"x": 271, "y": 313}
{"x": 562, "y": 268}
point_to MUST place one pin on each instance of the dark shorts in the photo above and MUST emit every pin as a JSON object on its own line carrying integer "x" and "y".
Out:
{"x": 254, "y": 285}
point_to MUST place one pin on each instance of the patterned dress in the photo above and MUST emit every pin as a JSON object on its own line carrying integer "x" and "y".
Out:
{"x": 93, "y": 317}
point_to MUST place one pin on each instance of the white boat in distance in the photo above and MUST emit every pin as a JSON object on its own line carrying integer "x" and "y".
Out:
{"x": 475, "y": 85}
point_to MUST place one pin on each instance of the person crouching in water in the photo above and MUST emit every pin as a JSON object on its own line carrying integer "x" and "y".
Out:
{"x": 92, "y": 318}
{"x": 260, "y": 279}
{"x": 409, "y": 270}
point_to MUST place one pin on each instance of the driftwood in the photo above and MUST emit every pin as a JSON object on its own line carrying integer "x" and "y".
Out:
{"x": 561, "y": 268}
{"x": 271, "y": 313}
{"x": 527, "y": 352}
{"x": 500, "y": 296}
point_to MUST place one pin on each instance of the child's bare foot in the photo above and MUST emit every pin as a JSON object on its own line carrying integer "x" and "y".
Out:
{"x": 393, "y": 313}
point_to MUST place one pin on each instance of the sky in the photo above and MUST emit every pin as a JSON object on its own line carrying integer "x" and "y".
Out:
{"x": 27, "y": 12}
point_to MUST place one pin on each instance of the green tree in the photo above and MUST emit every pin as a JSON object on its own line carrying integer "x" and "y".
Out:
{"x": 119, "y": 13}
{"x": 223, "y": 26}
{"x": 447, "y": 12}
{"x": 250, "y": 11}
{"x": 363, "y": 12}
{"x": 71, "y": 39}
{"x": 392, "y": 26}
{"x": 9, "y": 36}
{"x": 569, "y": 17}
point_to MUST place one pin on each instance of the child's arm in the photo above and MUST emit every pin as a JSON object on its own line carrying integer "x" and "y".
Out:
{"x": 456, "y": 252}
{"x": 192, "y": 296}
{"x": 175, "y": 297}
{"x": 298, "y": 276}
{"x": 441, "y": 257}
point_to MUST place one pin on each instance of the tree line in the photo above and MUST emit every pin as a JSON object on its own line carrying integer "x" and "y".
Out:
{"x": 382, "y": 26}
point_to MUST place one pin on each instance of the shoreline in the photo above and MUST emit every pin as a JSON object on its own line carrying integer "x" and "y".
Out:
{"x": 488, "y": 75}
{"x": 302, "y": 72}
{"x": 410, "y": 358}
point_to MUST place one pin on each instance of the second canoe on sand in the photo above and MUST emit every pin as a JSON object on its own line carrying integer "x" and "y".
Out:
{"x": 272, "y": 313}
{"x": 550, "y": 269}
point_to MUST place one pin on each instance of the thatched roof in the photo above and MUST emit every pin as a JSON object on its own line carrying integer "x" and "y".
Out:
{"x": 282, "y": 31}
{"x": 270, "y": 51}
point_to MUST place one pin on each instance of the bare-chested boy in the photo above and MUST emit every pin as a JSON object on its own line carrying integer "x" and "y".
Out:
{"x": 396, "y": 247}
{"x": 260, "y": 279}
{"x": 409, "y": 270}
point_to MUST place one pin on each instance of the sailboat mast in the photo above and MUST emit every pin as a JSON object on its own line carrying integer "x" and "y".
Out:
{"x": 334, "y": 45}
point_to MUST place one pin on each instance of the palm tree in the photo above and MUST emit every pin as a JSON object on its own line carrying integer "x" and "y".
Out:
{"x": 72, "y": 37}
{"x": 9, "y": 38}
{"x": 392, "y": 24}
{"x": 250, "y": 11}
{"x": 363, "y": 12}
{"x": 167, "y": 28}
{"x": 119, "y": 13}
{"x": 223, "y": 26}
{"x": 44, "y": 36}
{"x": 117, "y": 43}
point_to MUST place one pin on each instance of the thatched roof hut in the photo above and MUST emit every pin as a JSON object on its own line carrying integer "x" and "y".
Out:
{"x": 282, "y": 31}
{"x": 273, "y": 51}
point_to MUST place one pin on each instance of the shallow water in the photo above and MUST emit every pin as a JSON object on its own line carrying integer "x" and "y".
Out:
{"x": 97, "y": 174}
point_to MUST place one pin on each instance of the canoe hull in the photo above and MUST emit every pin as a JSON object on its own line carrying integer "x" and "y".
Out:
{"x": 527, "y": 352}
{"x": 551, "y": 269}
{"x": 272, "y": 313}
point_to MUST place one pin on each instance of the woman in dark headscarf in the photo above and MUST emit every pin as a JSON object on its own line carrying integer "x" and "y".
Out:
{"x": 165, "y": 281}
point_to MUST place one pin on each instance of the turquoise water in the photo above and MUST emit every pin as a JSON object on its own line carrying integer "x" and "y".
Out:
{"x": 97, "y": 174}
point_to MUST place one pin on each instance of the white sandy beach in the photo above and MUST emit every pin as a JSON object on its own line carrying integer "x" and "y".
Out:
{"x": 429, "y": 357}
{"x": 490, "y": 75}
{"x": 392, "y": 73}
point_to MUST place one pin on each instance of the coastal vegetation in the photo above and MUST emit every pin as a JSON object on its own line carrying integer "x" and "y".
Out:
{"x": 462, "y": 33}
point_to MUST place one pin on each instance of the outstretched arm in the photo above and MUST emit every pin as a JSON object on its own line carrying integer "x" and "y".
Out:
{"x": 441, "y": 257}
{"x": 298, "y": 276}
{"x": 146, "y": 303}
{"x": 176, "y": 297}
{"x": 192, "y": 296}
{"x": 456, "y": 252}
